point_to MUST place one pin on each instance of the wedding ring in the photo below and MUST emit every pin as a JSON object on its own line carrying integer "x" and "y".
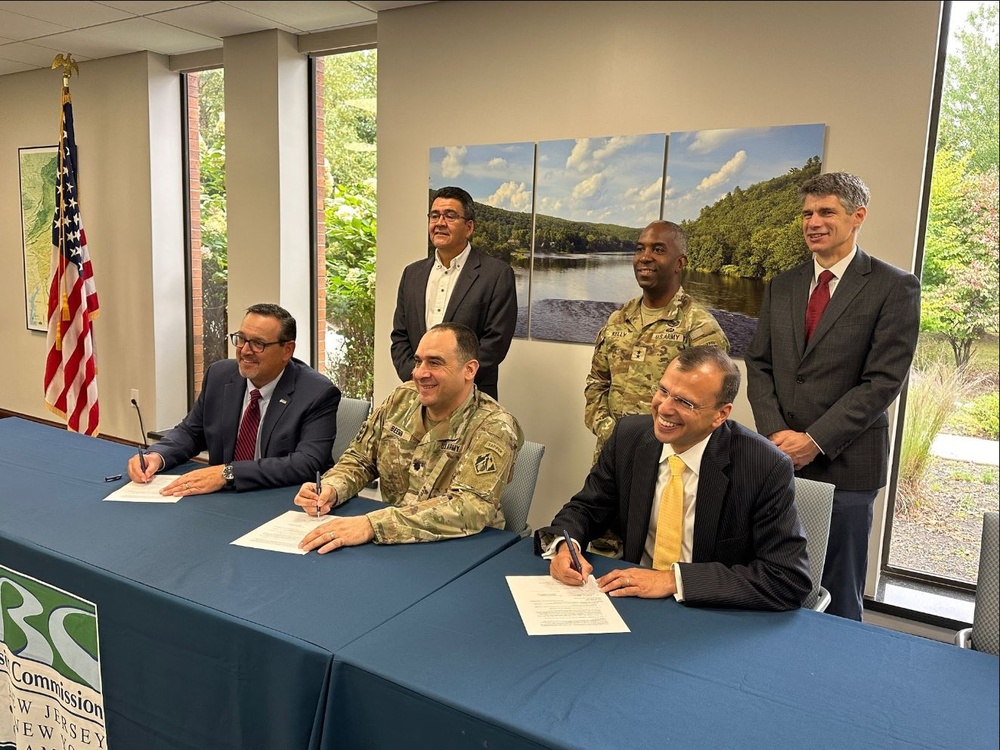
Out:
{"x": 330, "y": 534}
{"x": 628, "y": 581}
{"x": 187, "y": 486}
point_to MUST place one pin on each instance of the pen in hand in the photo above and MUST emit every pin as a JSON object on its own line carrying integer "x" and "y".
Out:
{"x": 574, "y": 559}
{"x": 319, "y": 491}
{"x": 142, "y": 460}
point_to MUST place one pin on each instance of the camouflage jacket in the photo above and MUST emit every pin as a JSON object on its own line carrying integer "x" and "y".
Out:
{"x": 629, "y": 360}
{"x": 441, "y": 483}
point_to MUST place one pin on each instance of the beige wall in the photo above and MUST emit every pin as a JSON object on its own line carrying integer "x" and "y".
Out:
{"x": 471, "y": 73}
{"x": 120, "y": 104}
{"x": 496, "y": 72}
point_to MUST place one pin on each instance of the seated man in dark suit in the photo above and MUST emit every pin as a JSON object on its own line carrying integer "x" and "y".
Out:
{"x": 723, "y": 533}
{"x": 266, "y": 419}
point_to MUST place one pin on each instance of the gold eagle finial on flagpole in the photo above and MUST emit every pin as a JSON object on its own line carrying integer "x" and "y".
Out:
{"x": 68, "y": 64}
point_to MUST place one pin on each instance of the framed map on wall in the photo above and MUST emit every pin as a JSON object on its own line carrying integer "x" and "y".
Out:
{"x": 38, "y": 165}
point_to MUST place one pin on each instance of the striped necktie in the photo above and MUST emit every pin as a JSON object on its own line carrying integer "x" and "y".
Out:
{"x": 246, "y": 439}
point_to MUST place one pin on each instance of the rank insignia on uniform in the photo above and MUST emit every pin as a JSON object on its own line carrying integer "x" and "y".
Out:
{"x": 395, "y": 430}
{"x": 485, "y": 464}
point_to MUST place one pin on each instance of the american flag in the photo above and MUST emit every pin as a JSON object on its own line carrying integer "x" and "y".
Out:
{"x": 70, "y": 366}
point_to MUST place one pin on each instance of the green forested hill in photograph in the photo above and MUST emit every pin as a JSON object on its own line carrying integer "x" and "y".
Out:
{"x": 507, "y": 234}
{"x": 752, "y": 233}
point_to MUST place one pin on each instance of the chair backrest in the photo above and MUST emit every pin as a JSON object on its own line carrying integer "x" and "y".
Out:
{"x": 351, "y": 414}
{"x": 814, "y": 502}
{"x": 515, "y": 502}
{"x": 985, "y": 624}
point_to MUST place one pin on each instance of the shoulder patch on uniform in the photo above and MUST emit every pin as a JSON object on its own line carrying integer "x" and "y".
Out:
{"x": 485, "y": 464}
{"x": 496, "y": 448}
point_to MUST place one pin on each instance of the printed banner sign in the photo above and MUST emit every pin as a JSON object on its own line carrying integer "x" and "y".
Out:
{"x": 50, "y": 669}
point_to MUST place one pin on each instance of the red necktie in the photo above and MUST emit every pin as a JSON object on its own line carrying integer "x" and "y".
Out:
{"x": 246, "y": 440}
{"x": 817, "y": 302}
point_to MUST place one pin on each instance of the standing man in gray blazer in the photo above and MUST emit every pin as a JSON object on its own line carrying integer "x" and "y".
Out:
{"x": 834, "y": 344}
{"x": 457, "y": 285}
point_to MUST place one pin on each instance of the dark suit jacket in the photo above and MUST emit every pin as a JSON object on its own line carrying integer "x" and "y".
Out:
{"x": 749, "y": 548}
{"x": 296, "y": 436}
{"x": 838, "y": 387}
{"x": 484, "y": 299}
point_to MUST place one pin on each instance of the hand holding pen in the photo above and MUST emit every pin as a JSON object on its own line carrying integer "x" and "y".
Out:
{"x": 319, "y": 494}
{"x": 577, "y": 572}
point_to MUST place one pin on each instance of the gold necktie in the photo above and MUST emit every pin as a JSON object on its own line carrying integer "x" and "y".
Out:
{"x": 670, "y": 521}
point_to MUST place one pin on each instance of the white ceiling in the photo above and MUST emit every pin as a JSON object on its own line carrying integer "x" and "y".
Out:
{"x": 32, "y": 33}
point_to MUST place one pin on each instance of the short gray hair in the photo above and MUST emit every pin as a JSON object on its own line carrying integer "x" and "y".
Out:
{"x": 850, "y": 190}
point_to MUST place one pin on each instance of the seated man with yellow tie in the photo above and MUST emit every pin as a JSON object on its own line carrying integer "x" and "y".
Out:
{"x": 265, "y": 418}
{"x": 706, "y": 506}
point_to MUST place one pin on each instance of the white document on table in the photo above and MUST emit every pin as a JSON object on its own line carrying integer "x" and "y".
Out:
{"x": 548, "y": 607}
{"x": 282, "y": 534}
{"x": 137, "y": 492}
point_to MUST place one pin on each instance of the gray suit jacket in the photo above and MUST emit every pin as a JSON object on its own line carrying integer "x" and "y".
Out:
{"x": 749, "y": 548}
{"x": 838, "y": 387}
{"x": 296, "y": 435}
{"x": 484, "y": 299}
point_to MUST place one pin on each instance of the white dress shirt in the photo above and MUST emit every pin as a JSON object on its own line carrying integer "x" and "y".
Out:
{"x": 440, "y": 285}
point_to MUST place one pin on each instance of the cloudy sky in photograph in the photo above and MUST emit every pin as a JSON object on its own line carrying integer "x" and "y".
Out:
{"x": 614, "y": 180}
{"x": 704, "y": 165}
{"x": 499, "y": 175}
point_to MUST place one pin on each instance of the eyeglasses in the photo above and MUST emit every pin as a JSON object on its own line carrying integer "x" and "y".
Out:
{"x": 450, "y": 216}
{"x": 256, "y": 345}
{"x": 681, "y": 402}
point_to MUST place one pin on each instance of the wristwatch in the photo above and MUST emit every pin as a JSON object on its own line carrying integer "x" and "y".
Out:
{"x": 229, "y": 476}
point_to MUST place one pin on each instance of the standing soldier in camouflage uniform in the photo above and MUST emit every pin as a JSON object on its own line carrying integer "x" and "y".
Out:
{"x": 638, "y": 342}
{"x": 442, "y": 449}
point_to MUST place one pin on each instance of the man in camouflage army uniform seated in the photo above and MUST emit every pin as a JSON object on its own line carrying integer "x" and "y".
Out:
{"x": 638, "y": 342}
{"x": 443, "y": 452}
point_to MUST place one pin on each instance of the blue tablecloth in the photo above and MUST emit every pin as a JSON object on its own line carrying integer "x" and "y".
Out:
{"x": 203, "y": 644}
{"x": 457, "y": 670}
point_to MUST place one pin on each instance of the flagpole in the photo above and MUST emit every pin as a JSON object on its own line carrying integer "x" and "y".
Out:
{"x": 70, "y": 381}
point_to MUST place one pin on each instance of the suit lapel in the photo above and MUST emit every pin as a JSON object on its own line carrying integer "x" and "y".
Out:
{"x": 418, "y": 293}
{"x": 232, "y": 408}
{"x": 854, "y": 280}
{"x": 465, "y": 281}
{"x": 646, "y": 466}
{"x": 280, "y": 400}
{"x": 800, "y": 299}
{"x": 713, "y": 482}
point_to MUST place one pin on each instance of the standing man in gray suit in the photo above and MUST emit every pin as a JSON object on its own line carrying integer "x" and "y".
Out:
{"x": 457, "y": 285}
{"x": 834, "y": 344}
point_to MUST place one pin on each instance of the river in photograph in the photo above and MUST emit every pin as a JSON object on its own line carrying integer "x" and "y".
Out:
{"x": 608, "y": 277}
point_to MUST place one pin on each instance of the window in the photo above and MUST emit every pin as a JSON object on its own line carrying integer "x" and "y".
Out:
{"x": 205, "y": 118}
{"x": 947, "y": 473}
{"x": 345, "y": 116}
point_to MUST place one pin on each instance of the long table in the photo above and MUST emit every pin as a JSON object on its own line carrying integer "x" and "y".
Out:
{"x": 457, "y": 670}
{"x": 204, "y": 645}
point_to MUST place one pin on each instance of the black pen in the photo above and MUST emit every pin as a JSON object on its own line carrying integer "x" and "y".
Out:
{"x": 319, "y": 491}
{"x": 572, "y": 551}
{"x": 142, "y": 460}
